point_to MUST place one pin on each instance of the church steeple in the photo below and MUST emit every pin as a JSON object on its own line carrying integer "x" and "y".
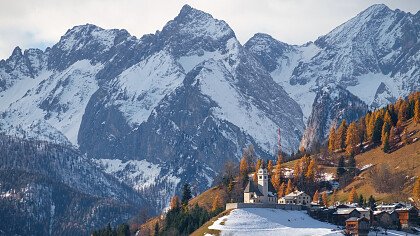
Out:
{"x": 263, "y": 181}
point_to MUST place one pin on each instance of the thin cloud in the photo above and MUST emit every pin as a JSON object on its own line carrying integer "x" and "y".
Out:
{"x": 28, "y": 23}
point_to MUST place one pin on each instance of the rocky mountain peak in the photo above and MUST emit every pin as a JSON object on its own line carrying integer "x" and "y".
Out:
{"x": 267, "y": 49}
{"x": 194, "y": 24}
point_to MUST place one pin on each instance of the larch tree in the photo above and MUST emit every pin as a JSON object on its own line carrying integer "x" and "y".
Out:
{"x": 370, "y": 126}
{"x": 315, "y": 198}
{"x": 296, "y": 169}
{"x": 341, "y": 135}
{"x": 331, "y": 139}
{"x": 325, "y": 199}
{"x": 257, "y": 167}
{"x": 352, "y": 139}
{"x": 416, "y": 118}
{"x": 289, "y": 188}
{"x": 386, "y": 128}
{"x": 402, "y": 113}
{"x": 352, "y": 195}
{"x": 392, "y": 136}
{"x": 175, "y": 202}
{"x": 361, "y": 126}
{"x": 333, "y": 198}
{"x": 276, "y": 177}
{"x": 216, "y": 202}
{"x": 416, "y": 190}
{"x": 243, "y": 167}
{"x": 280, "y": 192}
{"x": 385, "y": 143}
{"x": 270, "y": 167}
{"x": 310, "y": 174}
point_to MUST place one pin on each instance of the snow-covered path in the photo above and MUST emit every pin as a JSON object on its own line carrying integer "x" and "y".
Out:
{"x": 260, "y": 221}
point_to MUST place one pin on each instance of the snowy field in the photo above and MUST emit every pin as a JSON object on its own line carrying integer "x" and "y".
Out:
{"x": 260, "y": 221}
{"x": 265, "y": 221}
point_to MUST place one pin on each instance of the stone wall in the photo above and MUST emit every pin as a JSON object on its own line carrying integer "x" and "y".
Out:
{"x": 291, "y": 207}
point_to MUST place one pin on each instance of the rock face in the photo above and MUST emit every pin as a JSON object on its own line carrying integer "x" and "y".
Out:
{"x": 174, "y": 106}
{"x": 332, "y": 104}
{"x": 374, "y": 56}
{"x": 155, "y": 112}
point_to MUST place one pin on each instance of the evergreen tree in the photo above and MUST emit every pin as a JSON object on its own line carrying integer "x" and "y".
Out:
{"x": 156, "y": 229}
{"x": 331, "y": 139}
{"x": 372, "y": 203}
{"x": 315, "y": 198}
{"x": 341, "y": 135}
{"x": 352, "y": 195}
{"x": 325, "y": 199}
{"x": 377, "y": 130}
{"x": 289, "y": 188}
{"x": 361, "y": 201}
{"x": 341, "y": 167}
{"x": 352, "y": 166}
{"x": 385, "y": 144}
{"x": 186, "y": 194}
{"x": 123, "y": 230}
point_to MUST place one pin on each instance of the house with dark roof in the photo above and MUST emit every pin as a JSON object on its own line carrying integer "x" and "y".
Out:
{"x": 342, "y": 214}
{"x": 262, "y": 191}
{"x": 386, "y": 219}
{"x": 357, "y": 226}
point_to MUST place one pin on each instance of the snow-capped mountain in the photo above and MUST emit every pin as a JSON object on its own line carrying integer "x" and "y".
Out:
{"x": 375, "y": 56}
{"x": 174, "y": 106}
{"x": 155, "y": 112}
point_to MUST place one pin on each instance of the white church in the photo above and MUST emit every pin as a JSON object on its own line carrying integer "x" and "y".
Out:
{"x": 263, "y": 192}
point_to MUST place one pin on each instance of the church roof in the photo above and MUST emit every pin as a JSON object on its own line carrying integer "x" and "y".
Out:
{"x": 252, "y": 188}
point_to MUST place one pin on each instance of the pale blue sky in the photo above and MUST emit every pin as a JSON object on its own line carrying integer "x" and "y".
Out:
{"x": 40, "y": 23}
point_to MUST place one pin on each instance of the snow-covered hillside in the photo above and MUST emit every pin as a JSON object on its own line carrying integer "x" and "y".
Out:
{"x": 265, "y": 221}
{"x": 189, "y": 98}
{"x": 375, "y": 56}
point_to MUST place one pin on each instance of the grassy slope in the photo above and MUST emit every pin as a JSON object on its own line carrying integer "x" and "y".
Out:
{"x": 406, "y": 158}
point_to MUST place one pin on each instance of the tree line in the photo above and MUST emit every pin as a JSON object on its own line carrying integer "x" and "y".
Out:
{"x": 383, "y": 126}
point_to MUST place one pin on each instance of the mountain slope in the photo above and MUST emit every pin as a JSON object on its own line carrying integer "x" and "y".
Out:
{"x": 374, "y": 56}
{"x": 51, "y": 189}
{"x": 154, "y": 112}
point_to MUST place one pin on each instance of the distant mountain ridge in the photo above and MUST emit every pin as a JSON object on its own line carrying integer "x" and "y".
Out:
{"x": 174, "y": 106}
{"x": 374, "y": 56}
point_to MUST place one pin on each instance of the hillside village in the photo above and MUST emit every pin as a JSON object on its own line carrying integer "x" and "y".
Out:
{"x": 336, "y": 185}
